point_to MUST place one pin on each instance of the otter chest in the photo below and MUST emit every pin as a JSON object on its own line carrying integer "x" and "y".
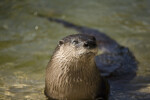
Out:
{"x": 76, "y": 86}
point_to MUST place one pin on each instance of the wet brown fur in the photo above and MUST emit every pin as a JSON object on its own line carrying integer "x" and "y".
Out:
{"x": 70, "y": 76}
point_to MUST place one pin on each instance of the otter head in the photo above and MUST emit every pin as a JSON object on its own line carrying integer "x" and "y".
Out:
{"x": 78, "y": 46}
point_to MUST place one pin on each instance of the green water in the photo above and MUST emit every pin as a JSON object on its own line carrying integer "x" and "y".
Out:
{"x": 27, "y": 41}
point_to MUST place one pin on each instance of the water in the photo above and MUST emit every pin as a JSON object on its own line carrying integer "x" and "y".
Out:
{"x": 27, "y": 41}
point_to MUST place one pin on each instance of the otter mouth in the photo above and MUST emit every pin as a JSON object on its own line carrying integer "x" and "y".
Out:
{"x": 91, "y": 52}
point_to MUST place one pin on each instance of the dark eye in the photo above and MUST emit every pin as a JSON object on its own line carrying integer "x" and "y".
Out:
{"x": 75, "y": 42}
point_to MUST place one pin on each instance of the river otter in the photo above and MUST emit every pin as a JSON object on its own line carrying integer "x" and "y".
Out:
{"x": 72, "y": 73}
{"x": 115, "y": 60}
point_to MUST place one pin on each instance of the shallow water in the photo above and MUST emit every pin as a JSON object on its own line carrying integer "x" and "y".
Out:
{"x": 27, "y": 41}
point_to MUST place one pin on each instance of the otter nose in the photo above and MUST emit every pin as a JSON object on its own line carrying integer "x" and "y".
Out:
{"x": 90, "y": 44}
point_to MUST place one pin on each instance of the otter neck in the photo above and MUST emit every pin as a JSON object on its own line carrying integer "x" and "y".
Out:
{"x": 73, "y": 63}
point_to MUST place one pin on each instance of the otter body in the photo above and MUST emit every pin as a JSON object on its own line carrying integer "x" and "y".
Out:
{"x": 72, "y": 73}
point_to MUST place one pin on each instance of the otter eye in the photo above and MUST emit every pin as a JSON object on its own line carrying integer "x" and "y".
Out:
{"x": 75, "y": 42}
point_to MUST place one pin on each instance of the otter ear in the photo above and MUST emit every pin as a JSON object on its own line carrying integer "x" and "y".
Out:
{"x": 61, "y": 42}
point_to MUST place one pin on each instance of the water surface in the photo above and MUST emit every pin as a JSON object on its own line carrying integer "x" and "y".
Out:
{"x": 27, "y": 41}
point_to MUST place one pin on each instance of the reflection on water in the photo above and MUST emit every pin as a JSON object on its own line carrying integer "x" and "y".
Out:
{"x": 27, "y": 41}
